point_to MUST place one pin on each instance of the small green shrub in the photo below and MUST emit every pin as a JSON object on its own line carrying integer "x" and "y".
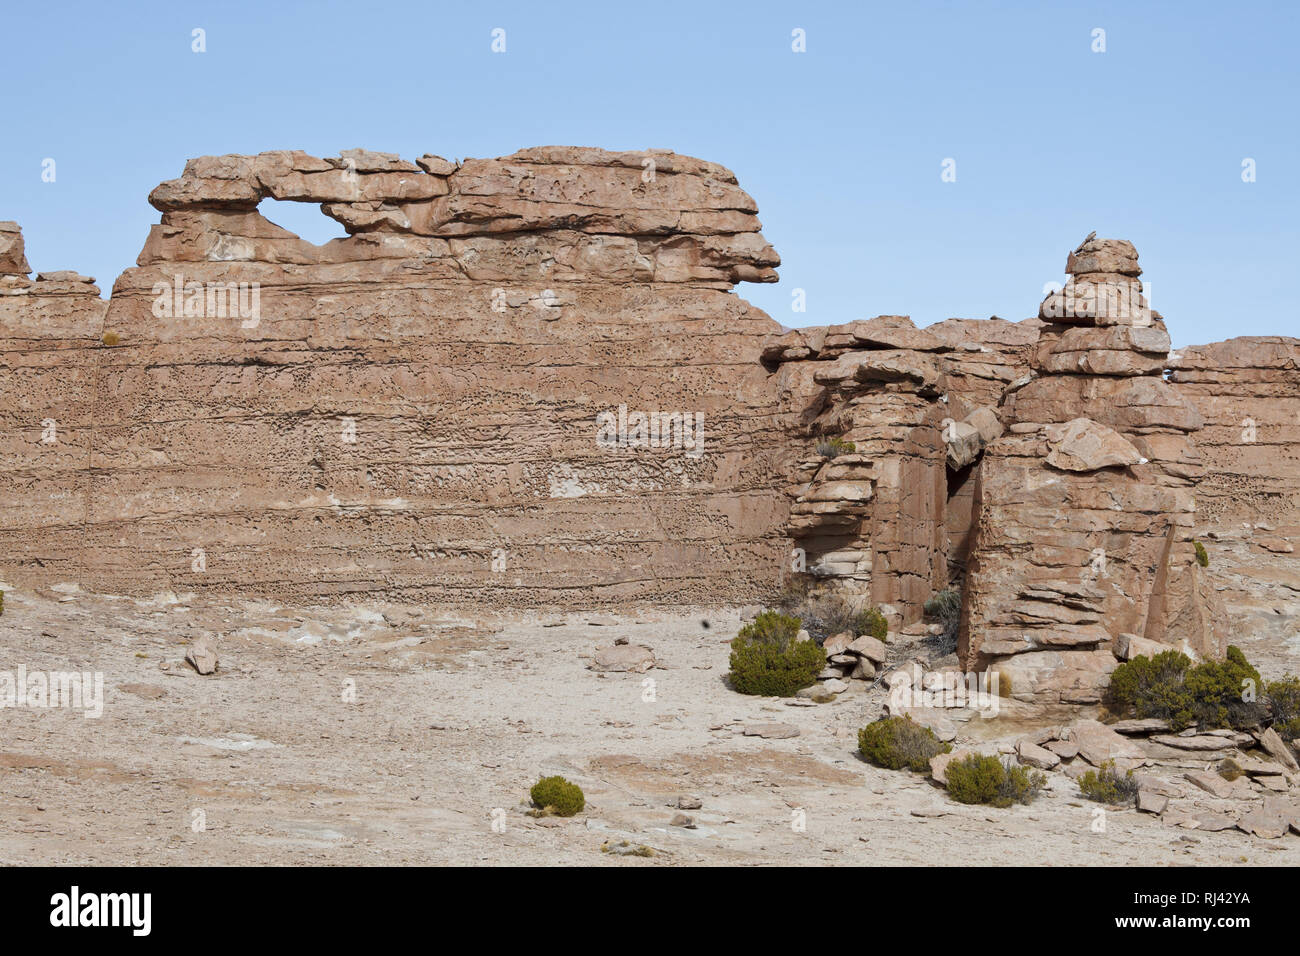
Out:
{"x": 1168, "y": 686}
{"x": 1202, "y": 556}
{"x": 768, "y": 659}
{"x": 1152, "y": 687}
{"x": 1107, "y": 786}
{"x": 987, "y": 780}
{"x": 898, "y": 742}
{"x": 1217, "y": 689}
{"x": 872, "y": 622}
{"x": 556, "y": 795}
{"x": 1283, "y": 694}
{"x": 834, "y": 446}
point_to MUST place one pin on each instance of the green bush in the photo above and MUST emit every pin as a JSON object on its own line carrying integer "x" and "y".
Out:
{"x": 1107, "y": 786}
{"x": 1217, "y": 689}
{"x": 834, "y": 446}
{"x": 1282, "y": 694}
{"x": 556, "y": 795}
{"x": 898, "y": 742}
{"x": 1152, "y": 687}
{"x": 1170, "y": 687}
{"x": 987, "y": 780}
{"x": 1202, "y": 556}
{"x": 767, "y": 657}
{"x": 872, "y": 622}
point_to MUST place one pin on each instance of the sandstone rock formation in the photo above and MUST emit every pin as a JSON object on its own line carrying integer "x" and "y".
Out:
{"x": 520, "y": 380}
{"x": 1085, "y": 515}
{"x": 527, "y": 381}
{"x": 1248, "y": 499}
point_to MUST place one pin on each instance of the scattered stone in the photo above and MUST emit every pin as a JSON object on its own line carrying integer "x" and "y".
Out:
{"x": 623, "y": 658}
{"x": 1148, "y": 801}
{"x": 202, "y": 657}
{"x": 1036, "y": 756}
{"x": 869, "y": 647}
{"x": 1213, "y": 822}
{"x": 771, "y": 731}
{"x": 1273, "y": 744}
{"x": 1263, "y": 824}
{"x": 1099, "y": 744}
{"x": 863, "y": 670}
{"x": 838, "y": 643}
{"x": 1065, "y": 749}
{"x": 1146, "y": 725}
{"x": 1211, "y": 783}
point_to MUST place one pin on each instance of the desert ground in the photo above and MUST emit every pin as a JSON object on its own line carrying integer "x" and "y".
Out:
{"x": 381, "y": 734}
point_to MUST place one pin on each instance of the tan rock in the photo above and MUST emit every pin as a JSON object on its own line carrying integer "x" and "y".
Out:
{"x": 1273, "y": 744}
{"x": 1035, "y": 756}
{"x": 871, "y": 648}
{"x": 1099, "y": 744}
{"x": 1084, "y": 445}
{"x": 202, "y": 656}
{"x": 620, "y": 658}
{"x": 13, "y": 261}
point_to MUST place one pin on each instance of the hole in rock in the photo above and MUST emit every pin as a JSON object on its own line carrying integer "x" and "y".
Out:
{"x": 303, "y": 219}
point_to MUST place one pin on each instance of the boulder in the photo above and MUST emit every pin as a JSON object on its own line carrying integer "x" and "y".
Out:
{"x": 623, "y": 658}
{"x": 1114, "y": 256}
{"x": 1273, "y": 745}
{"x": 202, "y": 656}
{"x": 771, "y": 731}
{"x": 1099, "y": 744}
{"x": 939, "y": 764}
{"x": 1084, "y": 445}
{"x": 13, "y": 260}
{"x": 1148, "y": 801}
{"x": 837, "y": 643}
{"x": 1036, "y": 756}
{"x": 1262, "y": 824}
{"x": 871, "y": 648}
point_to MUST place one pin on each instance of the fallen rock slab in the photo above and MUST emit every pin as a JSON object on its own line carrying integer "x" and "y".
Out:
{"x": 1148, "y": 801}
{"x": 771, "y": 731}
{"x": 202, "y": 657}
{"x": 623, "y": 658}
{"x": 1272, "y": 744}
{"x": 1263, "y": 824}
{"x": 1099, "y": 744}
{"x": 1036, "y": 756}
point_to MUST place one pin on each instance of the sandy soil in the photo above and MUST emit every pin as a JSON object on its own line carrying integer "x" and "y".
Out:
{"x": 454, "y": 719}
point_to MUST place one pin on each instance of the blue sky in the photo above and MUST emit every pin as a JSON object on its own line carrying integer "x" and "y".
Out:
{"x": 842, "y": 145}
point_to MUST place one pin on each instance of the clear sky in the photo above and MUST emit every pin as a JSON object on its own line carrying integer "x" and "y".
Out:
{"x": 842, "y": 145}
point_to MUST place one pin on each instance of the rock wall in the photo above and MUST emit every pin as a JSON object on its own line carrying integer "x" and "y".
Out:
{"x": 875, "y": 516}
{"x": 1248, "y": 501}
{"x": 457, "y": 403}
{"x": 527, "y": 382}
{"x": 1085, "y": 513}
